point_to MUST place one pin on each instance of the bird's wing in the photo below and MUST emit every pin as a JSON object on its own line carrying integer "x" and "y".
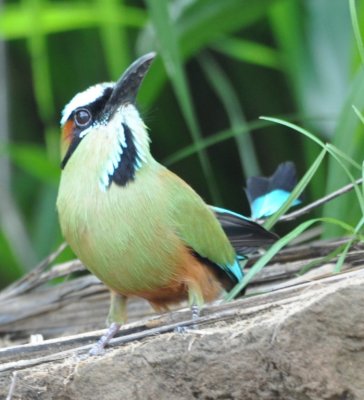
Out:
{"x": 197, "y": 225}
{"x": 244, "y": 234}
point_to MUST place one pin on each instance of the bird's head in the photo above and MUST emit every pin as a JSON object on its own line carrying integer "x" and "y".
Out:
{"x": 105, "y": 115}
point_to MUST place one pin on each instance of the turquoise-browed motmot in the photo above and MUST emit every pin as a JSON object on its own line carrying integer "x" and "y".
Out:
{"x": 137, "y": 226}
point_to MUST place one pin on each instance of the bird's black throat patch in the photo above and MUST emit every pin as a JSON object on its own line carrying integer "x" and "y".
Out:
{"x": 125, "y": 171}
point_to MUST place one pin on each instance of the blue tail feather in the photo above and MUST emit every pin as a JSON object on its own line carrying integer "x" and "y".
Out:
{"x": 235, "y": 270}
{"x": 268, "y": 204}
{"x": 267, "y": 195}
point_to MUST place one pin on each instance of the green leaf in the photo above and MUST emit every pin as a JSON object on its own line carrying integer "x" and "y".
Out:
{"x": 339, "y": 157}
{"x": 348, "y": 138}
{"x": 249, "y": 52}
{"x": 205, "y": 21}
{"x": 347, "y": 247}
{"x": 337, "y": 154}
{"x": 359, "y": 114}
{"x": 322, "y": 260}
{"x": 342, "y": 156}
{"x": 10, "y": 270}
{"x": 16, "y": 21}
{"x": 225, "y": 91}
{"x": 297, "y": 191}
{"x": 263, "y": 261}
{"x": 356, "y": 29}
{"x": 314, "y": 41}
{"x": 169, "y": 51}
{"x": 297, "y": 128}
{"x": 113, "y": 36}
{"x": 200, "y": 24}
{"x": 33, "y": 160}
{"x": 212, "y": 140}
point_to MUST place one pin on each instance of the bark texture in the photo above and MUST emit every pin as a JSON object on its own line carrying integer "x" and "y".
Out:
{"x": 304, "y": 342}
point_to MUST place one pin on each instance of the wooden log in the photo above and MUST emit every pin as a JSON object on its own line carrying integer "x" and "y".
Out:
{"x": 302, "y": 341}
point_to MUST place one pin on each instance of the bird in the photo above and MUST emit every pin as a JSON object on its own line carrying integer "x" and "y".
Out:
{"x": 137, "y": 226}
{"x": 267, "y": 194}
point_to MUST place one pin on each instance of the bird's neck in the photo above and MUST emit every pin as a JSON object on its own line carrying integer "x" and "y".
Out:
{"x": 111, "y": 156}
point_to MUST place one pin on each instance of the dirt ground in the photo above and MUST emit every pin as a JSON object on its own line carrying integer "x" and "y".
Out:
{"x": 310, "y": 348}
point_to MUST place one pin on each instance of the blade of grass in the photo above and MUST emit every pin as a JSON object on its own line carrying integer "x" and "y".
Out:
{"x": 249, "y": 52}
{"x": 342, "y": 155}
{"x": 321, "y": 201}
{"x": 220, "y": 137}
{"x": 16, "y": 251}
{"x": 206, "y": 21}
{"x": 42, "y": 82}
{"x": 337, "y": 155}
{"x": 322, "y": 260}
{"x": 169, "y": 50}
{"x": 359, "y": 114}
{"x": 113, "y": 36}
{"x": 10, "y": 268}
{"x": 342, "y": 257}
{"x": 40, "y": 66}
{"x": 358, "y": 228}
{"x": 226, "y": 93}
{"x": 44, "y": 226}
{"x": 263, "y": 261}
{"x": 348, "y": 137}
{"x": 306, "y": 178}
{"x": 16, "y": 21}
{"x": 356, "y": 29}
{"x": 297, "y": 128}
{"x": 211, "y": 141}
{"x": 362, "y": 177}
{"x": 315, "y": 53}
{"x": 297, "y": 191}
{"x": 202, "y": 23}
{"x": 33, "y": 160}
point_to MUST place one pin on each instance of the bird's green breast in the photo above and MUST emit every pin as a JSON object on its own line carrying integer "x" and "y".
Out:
{"x": 122, "y": 235}
{"x": 134, "y": 237}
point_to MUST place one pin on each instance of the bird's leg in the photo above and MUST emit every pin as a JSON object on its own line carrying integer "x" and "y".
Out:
{"x": 99, "y": 347}
{"x": 196, "y": 301}
{"x": 195, "y": 309}
{"x": 115, "y": 318}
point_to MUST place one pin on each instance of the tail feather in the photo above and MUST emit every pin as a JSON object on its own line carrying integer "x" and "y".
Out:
{"x": 284, "y": 177}
{"x": 267, "y": 195}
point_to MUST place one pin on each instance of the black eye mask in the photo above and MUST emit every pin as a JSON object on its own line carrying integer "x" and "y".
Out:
{"x": 95, "y": 109}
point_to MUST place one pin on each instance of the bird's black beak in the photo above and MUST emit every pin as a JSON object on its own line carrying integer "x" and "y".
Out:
{"x": 126, "y": 88}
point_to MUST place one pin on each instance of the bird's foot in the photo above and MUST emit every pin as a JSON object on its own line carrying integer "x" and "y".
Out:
{"x": 98, "y": 348}
{"x": 195, "y": 315}
{"x": 181, "y": 330}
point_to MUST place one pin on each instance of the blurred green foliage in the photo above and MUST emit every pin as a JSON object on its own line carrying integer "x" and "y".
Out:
{"x": 221, "y": 65}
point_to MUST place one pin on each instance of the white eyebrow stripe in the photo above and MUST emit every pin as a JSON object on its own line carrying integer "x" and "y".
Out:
{"x": 86, "y": 97}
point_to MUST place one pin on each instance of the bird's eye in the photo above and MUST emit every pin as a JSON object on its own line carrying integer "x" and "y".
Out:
{"x": 82, "y": 117}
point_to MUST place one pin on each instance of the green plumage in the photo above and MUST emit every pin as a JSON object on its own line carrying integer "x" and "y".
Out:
{"x": 132, "y": 237}
{"x": 134, "y": 224}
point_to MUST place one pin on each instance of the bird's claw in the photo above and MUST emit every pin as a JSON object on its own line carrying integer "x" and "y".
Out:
{"x": 181, "y": 330}
{"x": 185, "y": 329}
{"x": 99, "y": 348}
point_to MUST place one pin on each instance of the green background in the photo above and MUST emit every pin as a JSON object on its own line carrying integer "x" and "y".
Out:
{"x": 221, "y": 64}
